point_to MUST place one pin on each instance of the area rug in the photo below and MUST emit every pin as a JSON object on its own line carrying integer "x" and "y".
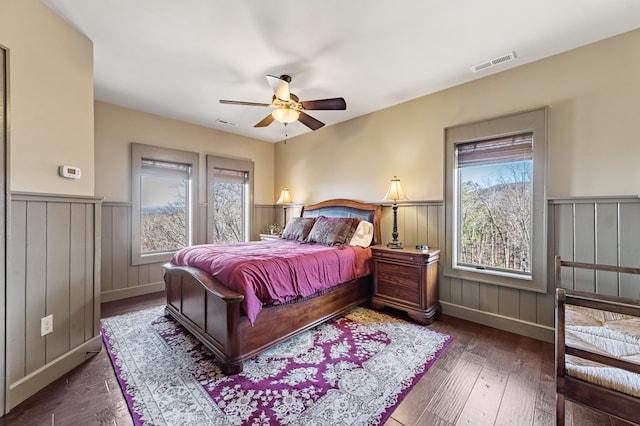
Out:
{"x": 353, "y": 370}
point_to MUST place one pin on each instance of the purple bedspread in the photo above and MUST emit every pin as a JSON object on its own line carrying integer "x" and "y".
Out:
{"x": 276, "y": 271}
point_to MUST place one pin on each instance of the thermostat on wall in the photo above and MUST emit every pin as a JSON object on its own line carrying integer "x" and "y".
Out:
{"x": 69, "y": 172}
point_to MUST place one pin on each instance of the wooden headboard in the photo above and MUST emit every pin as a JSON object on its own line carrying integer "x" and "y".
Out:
{"x": 340, "y": 207}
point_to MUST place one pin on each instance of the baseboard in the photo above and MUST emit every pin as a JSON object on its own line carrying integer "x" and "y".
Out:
{"x": 125, "y": 293}
{"x": 513, "y": 325}
{"x": 47, "y": 374}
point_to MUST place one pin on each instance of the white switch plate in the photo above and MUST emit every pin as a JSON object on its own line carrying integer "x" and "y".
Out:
{"x": 46, "y": 325}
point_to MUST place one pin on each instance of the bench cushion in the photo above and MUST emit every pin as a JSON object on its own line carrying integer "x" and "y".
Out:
{"x": 606, "y": 333}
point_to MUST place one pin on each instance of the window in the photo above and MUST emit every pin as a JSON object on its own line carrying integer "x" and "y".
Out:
{"x": 230, "y": 199}
{"x": 163, "y": 202}
{"x": 495, "y": 201}
{"x": 493, "y": 195}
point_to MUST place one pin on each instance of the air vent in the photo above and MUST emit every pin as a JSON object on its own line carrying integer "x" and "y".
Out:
{"x": 492, "y": 63}
{"x": 225, "y": 122}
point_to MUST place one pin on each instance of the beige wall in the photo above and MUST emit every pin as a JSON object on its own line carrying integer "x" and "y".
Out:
{"x": 117, "y": 127}
{"x": 50, "y": 99}
{"x": 50, "y": 116}
{"x": 593, "y": 94}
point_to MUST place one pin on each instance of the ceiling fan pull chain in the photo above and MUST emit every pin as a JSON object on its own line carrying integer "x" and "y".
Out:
{"x": 285, "y": 133}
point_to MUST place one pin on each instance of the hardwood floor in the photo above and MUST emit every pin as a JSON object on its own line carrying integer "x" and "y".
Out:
{"x": 485, "y": 377}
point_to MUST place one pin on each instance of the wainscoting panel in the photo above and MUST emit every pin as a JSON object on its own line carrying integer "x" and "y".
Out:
{"x": 265, "y": 215}
{"x": 602, "y": 230}
{"x": 418, "y": 223}
{"x": 515, "y": 310}
{"x": 605, "y": 231}
{"x": 53, "y": 269}
{"x": 121, "y": 253}
{"x": 629, "y": 247}
{"x": 519, "y": 311}
{"x": 106, "y": 259}
{"x": 121, "y": 280}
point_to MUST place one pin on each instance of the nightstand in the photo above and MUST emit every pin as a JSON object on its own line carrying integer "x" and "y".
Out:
{"x": 406, "y": 279}
{"x": 269, "y": 237}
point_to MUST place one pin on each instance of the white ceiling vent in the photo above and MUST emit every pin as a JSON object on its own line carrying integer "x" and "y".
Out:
{"x": 228, "y": 123}
{"x": 496, "y": 61}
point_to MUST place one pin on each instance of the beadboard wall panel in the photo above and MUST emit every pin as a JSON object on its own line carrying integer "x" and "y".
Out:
{"x": 418, "y": 223}
{"x": 106, "y": 259}
{"x": 265, "y": 215}
{"x": 53, "y": 269}
{"x": 629, "y": 246}
{"x": 519, "y": 311}
{"x": 121, "y": 280}
{"x": 507, "y": 308}
{"x": 17, "y": 333}
{"x": 605, "y": 231}
{"x": 602, "y": 230}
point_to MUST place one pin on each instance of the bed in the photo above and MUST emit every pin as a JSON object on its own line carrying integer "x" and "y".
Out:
{"x": 217, "y": 314}
{"x": 597, "y": 345}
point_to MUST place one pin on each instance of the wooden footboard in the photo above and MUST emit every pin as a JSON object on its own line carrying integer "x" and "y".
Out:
{"x": 213, "y": 314}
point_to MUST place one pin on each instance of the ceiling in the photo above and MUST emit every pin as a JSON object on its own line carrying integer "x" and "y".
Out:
{"x": 178, "y": 58}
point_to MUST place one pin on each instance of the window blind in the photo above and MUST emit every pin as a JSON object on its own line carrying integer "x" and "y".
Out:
{"x": 165, "y": 169}
{"x": 231, "y": 176}
{"x": 495, "y": 151}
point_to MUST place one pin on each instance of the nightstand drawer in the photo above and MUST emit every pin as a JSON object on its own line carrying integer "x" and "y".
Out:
{"x": 395, "y": 256}
{"x": 398, "y": 281}
{"x": 400, "y": 293}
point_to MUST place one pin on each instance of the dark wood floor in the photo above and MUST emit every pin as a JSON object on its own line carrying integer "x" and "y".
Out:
{"x": 485, "y": 377}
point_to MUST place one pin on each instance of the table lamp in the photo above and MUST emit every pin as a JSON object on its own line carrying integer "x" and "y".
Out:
{"x": 394, "y": 194}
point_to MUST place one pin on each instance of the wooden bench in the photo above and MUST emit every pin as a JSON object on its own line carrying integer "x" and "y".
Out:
{"x": 597, "y": 347}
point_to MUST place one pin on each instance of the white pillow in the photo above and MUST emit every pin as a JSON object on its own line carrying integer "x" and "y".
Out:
{"x": 363, "y": 235}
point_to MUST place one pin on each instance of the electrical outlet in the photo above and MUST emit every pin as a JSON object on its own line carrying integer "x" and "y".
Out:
{"x": 46, "y": 325}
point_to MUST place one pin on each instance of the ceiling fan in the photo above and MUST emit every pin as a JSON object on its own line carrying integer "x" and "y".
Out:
{"x": 288, "y": 108}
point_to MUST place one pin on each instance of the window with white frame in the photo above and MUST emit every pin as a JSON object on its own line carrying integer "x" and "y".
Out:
{"x": 495, "y": 201}
{"x": 163, "y": 190}
{"x": 230, "y": 199}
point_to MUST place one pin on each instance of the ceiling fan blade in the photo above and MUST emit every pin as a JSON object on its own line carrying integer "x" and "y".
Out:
{"x": 309, "y": 121}
{"x": 280, "y": 87}
{"x": 265, "y": 121}
{"x": 333, "y": 103}
{"x": 224, "y": 101}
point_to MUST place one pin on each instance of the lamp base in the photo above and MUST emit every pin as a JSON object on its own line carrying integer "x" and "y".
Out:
{"x": 394, "y": 245}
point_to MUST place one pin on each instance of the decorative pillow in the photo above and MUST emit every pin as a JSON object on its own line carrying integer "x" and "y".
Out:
{"x": 333, "y": 231}
{"x": 363, "y": 234}
{"x": 298, "y": 228}
{"x": 353, "y": 224}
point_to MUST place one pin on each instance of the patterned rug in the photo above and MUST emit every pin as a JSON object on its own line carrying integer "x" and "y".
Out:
{"x": 352, "y": 371}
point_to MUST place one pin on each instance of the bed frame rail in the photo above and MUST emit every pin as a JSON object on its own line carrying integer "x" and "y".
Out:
{"x": 213, "y": 314}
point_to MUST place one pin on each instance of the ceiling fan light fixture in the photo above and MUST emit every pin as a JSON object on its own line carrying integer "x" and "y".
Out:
{"x": 285, "y": 115}
{"x": 288, "y": 108}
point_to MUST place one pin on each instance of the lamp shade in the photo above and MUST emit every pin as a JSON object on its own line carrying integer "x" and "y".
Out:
{"x": 285, "y": 197}
{"x": 395, "y": 191}
{"x": 285, "y": 115}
